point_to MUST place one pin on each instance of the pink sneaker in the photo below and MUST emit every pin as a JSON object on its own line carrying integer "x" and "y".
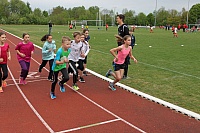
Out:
{"x": 21, "y": 81}
{"x": 25, "y": 82}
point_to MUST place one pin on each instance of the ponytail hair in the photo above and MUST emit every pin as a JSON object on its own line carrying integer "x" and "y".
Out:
{"x": 45, "y": 37}
{"x": 120, "y": 39}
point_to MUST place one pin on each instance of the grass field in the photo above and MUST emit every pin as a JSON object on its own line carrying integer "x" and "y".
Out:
{"x": 169, "y": 70}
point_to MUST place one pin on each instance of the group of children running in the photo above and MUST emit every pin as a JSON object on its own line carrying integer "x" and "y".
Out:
{"x": 71, "y": 57}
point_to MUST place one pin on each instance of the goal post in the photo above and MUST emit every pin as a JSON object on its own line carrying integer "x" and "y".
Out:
{"x": 98, "y": 23}
{"x": 194, "y": 25}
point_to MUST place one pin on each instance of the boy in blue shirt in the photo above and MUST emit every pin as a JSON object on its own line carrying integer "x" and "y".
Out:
{"x": 59, "y": 65}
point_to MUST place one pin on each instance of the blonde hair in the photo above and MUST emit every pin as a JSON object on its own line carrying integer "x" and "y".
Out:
{"x": 65, "y": 38}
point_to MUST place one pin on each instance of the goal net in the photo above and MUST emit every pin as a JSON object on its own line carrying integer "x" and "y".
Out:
{"x": 196, "y": 26}
{"x": 89, "y": 23}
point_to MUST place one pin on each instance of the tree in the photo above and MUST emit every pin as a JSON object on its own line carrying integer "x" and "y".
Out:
{"x": 129, "y": 17}
{"x": 194, "y": 14}
{"x": 4, "y": 10}
{"x": 162, "y": 16}
{"x": 150, "y": 19}
{"x": 141, "y": 19}
{"x": 45, "y": 14}
{"x": 19, "y": 7}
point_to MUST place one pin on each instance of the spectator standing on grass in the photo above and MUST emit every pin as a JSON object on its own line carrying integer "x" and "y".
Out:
{"x": 48, "y": 51}
{"x": 24, "y": 50}
{"x": 50, "y": 26}
{"x": 59, "y": 65}
{"x": 120, "y": 53}
{"x": 123, "y": 30}
{"x": 4, "y": 57}
{"x": 106, "y": 27}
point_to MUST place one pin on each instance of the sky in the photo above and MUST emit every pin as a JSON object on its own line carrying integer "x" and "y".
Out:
{"x": 145, "y": 6}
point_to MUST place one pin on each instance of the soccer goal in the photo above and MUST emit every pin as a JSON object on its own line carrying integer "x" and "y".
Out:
{"x": 197, "y": 26}
{"x": 90, "y": 23}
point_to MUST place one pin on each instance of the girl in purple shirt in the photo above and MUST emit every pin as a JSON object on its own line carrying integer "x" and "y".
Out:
{"x": 4, "y": 56}
{"x": 120, "y": 53}
{"x": 24, "y": 51}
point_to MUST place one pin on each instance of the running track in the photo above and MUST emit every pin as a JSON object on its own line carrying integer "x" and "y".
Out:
{"x": 94, "y": 108}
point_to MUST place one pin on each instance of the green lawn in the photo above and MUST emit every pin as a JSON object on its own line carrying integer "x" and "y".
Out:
{"x": 166, "y": 70}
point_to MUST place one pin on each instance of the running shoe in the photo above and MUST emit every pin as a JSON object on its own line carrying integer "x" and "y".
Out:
{"x": 4, "y": 84}
{"x": 85, "y": 73}
{"x": 24, "y": 82}
{"x": 81, "y": 80}
{"x": 1, "y": 90}
{"x": 108, "y": 73}
{"x": 51, "y": 80}
{"x": 62, "y": 88}
{"x": 111, "y": 86}
{"x": 75, "y": 87}
{"x": 21, "y": 81}
{"x": 52, "y": 95}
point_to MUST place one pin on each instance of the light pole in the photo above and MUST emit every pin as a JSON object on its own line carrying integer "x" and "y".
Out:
{"x": 100, "y": 16}
{"x": 155, "y": 14}
{"x": 188, "y": 12}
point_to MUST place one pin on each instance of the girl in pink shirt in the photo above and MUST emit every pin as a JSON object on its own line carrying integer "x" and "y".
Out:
{"x": 118, "y": 63}
{"x": 24, "y": 51}
{"x": 4, "y": 56}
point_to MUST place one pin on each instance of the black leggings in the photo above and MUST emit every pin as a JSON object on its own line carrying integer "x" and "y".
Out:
{"x": 73, "y": 69}
{"x": 65, "y": 78}
{"x": 44, "y": 62}
{"x": 4, "y": 68}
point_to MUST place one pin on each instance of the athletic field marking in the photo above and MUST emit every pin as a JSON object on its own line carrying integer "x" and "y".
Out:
{"x": 133, "y": 126}
{"x": 88, "y": 126}
{"x": 28, "y": 82}
{"x": 28, "y": 78}
{"x": 100, "y": 106}
{"x": 128, "y": 123}
{"x": 166, "y": 69}
{"x": 30, "y": 105}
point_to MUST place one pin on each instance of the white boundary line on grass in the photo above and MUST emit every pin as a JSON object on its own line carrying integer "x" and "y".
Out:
{"x": 189, "y": 75}
{"x": 30, "y": 105}
{"x": 144, "y": 95}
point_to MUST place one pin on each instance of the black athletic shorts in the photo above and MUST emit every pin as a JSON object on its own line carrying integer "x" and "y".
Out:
{"x": 117, "y": 67}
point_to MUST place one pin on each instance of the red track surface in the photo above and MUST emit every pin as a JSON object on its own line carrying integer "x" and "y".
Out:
{"x": 82, "y": 111}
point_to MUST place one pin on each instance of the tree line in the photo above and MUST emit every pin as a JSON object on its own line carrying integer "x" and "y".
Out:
{"x": 19, "y": 12}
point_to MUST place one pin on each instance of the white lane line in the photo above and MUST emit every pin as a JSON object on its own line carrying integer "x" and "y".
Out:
{"x": 166, "y": 69}
{"x": 29, "y": 81}
{"x": 30, "y": 105}
{"x": 88, "y": 126}
{"x": 128, "y": 123}
{"x": 106, "y": 110}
